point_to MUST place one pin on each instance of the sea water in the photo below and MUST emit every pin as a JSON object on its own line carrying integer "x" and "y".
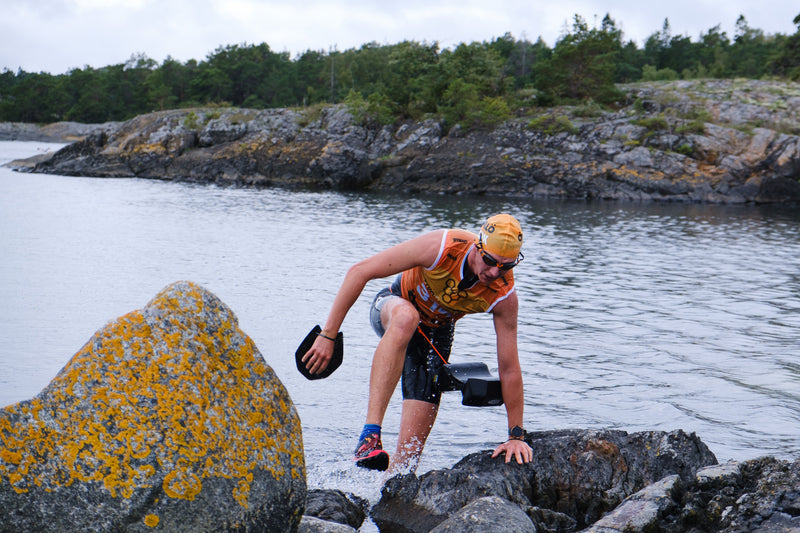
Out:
{"x": 632, "y": 316}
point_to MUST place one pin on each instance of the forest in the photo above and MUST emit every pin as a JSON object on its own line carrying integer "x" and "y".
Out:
{"x": 477, "y": 84}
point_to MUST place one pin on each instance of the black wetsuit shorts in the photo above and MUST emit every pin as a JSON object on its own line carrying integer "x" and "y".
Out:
{"x": 422, "y": 363}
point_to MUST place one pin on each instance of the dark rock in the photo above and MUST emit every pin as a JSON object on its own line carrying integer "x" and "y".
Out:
{"x": 488, "y": 514}
{"x": 582, "y": 474}
{"x": 310, "y": 524}
{"x": 640, "y": 511}
{"x": 758, "y": 495}
{"x": 336, "y": 506}
{"x": 29, "y": 163}
{"x": 605, "y": 482}
{"x": 167, "y": 419}
{"x": 548, "y": 521}
{"x": 779, "y": 189}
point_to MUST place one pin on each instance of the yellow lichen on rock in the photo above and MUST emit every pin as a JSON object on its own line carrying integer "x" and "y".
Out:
{"x": 182, "y": 484}
{"x": 176, "y": 388}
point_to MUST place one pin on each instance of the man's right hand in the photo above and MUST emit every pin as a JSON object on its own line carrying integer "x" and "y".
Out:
{"x": 515, "y": 448}
{"x": 319, "y": 356}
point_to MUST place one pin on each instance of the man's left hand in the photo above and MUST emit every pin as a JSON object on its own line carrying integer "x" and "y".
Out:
{"x": 515, "y": 448}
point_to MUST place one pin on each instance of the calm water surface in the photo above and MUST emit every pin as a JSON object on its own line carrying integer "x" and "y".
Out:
{"x": 633, "y": 317}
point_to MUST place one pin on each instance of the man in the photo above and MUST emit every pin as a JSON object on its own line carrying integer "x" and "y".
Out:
{"x": 443, "y": 275}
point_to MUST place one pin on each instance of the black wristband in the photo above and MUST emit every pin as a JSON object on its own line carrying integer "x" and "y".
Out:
{"x": 320, "y": 334}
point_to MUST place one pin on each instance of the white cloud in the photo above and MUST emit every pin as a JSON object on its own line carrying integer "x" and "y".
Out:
{"x": 56, "y": 35}
{"x": 111, "y": 4}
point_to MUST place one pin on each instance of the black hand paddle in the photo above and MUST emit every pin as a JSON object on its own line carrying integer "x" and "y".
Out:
{"x": 305, "y": 346}
{"x": 478, "y": 387}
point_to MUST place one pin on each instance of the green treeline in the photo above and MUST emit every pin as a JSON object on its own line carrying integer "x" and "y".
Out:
{"x": 472, "y": 84}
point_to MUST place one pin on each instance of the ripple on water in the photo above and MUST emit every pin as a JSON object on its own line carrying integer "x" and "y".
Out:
{"x": 632, "y": 316}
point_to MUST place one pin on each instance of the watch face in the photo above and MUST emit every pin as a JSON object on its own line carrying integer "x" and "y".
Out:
{"x": 516, "y": 432}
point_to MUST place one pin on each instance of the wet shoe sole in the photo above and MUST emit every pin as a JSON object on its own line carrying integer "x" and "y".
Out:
{"x": 377, "y": 461}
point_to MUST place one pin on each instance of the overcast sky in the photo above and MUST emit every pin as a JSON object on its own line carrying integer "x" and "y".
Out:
{"x": 58, "y": 35}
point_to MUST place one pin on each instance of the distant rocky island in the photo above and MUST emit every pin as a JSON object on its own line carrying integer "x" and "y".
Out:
{"x": 708, "y": 141}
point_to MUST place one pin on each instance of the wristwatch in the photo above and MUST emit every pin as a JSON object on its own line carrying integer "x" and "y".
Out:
{"x": 516, "y": 433}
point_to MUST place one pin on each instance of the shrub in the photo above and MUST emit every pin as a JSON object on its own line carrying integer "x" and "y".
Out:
{"x": 374, "y": 110}
{"x": 656, "y": 123}
{"x": 463, "y": 104}
{"x": 589, "y": 109}
{"x": 190, "y": 121}
{"x": 492, "y": 110}
{"x": 694, "y": 126}
{"x": 552, "y": 124}
{"x": 651, "y": 73}
{"x": 310, "y": 114}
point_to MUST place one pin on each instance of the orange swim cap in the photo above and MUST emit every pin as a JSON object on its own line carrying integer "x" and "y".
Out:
{"x": 501, "y": 235}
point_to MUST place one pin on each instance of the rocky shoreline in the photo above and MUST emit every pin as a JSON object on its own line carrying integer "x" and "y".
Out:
{"x": 589, "y": 482}
{"x": 58, "y": 132}
{"x": 170, "y": 419}
{"x": 710, "y": 141}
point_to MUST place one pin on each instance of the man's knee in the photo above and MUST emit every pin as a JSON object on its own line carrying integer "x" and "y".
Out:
{"x": 401, "y": 316}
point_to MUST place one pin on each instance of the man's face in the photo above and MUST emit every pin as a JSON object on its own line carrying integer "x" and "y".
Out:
{"x": 489, "y": 267}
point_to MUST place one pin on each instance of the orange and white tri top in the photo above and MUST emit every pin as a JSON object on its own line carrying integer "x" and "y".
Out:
{"x": 434, "y": 290}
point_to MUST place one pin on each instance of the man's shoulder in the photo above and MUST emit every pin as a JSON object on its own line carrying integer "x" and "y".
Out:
{"x": 461, "y": 236}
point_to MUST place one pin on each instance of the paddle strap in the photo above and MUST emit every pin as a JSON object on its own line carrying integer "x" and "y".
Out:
{"x": 431, "y": 343}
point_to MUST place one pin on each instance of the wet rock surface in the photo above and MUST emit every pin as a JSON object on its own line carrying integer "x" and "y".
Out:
{"x": 336, "y": 506}
{"x": 576, "y": 476}
{"x": 596, "y": 482}
{"x": 716, "y": 141}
